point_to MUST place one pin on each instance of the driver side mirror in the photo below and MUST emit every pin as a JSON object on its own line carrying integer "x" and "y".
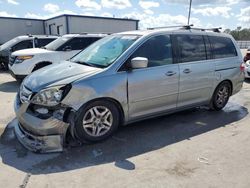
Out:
{"x": 67, "y": 48}
{"x": 139, "y": 62}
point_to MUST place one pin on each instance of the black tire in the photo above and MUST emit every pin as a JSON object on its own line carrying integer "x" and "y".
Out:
{"x": 218, "y": 103}
{"x": 82, "y": 133}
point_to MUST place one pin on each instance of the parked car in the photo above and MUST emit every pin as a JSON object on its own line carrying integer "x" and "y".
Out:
{"x": 24, "y": 62}
{"x": 124, "y": 78}
{"x": 22, "y": 42}
{"x": 247, "y": 69}
{"x": 247, "y": 56}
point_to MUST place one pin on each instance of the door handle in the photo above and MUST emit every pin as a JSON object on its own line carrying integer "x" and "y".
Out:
{"x": 170, "y": 73}
{"x": 186, "y": 71}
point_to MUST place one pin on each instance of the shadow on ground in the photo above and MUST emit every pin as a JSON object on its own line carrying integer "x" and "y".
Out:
{"x": 9, "y": 87}
{"x": 133, "y": 140}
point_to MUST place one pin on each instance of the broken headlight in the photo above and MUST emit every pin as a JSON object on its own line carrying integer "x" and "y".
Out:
{"x": 51, "y": 96}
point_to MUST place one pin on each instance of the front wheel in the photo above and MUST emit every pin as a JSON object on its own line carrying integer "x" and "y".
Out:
{"x": 97, "y": 121}
{"x": 220, "y": 96}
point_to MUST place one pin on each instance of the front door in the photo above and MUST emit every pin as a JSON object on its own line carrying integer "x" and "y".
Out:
{"x": 153, "y": 89}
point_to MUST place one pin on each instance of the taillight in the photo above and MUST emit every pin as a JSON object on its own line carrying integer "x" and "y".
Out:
{"x": 242, "y": 67}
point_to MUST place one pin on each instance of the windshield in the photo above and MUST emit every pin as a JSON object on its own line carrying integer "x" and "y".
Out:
{"x": 9, "y": 43}
{"x": 105, "y": 51}
{"x": 53, "y": 46}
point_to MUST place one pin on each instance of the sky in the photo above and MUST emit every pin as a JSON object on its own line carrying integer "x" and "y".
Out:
{"x": 205, "y": 13}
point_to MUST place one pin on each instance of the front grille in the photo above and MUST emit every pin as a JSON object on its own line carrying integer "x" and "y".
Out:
{"x": 25, "y": 94}
{"x": 12, "y": 60}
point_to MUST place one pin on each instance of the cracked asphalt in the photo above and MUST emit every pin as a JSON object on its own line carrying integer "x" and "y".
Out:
{"x": 194, "y": 148}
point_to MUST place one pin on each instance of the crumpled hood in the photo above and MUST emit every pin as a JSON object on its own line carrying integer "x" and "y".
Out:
{"x": 31, "y": 51}
{"x": 58, "y": 74}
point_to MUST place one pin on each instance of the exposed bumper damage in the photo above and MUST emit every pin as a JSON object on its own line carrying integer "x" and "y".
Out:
{"x": 38, "y": 133}
{"x": 41, "y": 144}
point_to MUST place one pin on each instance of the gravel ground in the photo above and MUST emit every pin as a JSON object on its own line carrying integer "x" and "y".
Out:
{"x": 194, "y": 148}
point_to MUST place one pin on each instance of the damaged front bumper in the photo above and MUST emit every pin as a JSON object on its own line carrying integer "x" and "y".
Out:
{"x": 37, "y": 134}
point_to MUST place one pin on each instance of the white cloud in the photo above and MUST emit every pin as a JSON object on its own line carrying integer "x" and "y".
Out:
{"x": 52, "y": 8}
{"x": 244, "y": 16}
{"x": 106, "y": 14}
{"x": 13, "y": 2}
{"x": 88, "y": 4}
{"x": 6, "y": 14}
{"x": 119, "y": 4}
{"x": 149, "y": 4}
{"x": 213, "y": 11}
{"x": 148, "y": 11}
{"x": 39, "y": 16}
{"x": 206, "y": 2}
{"x": 161, "y": 20}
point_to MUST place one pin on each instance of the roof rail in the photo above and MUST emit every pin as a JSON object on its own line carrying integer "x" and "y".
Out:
{"x": 172, "y": 26}
{"x": 215, "y": 29}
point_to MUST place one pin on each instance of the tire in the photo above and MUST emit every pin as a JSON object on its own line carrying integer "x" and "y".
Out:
{"x": 221, "y": 96}
{"x": 96, "y": 121}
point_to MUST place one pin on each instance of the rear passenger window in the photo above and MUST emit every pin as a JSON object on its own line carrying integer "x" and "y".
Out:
{"x": 222, "y": 47}
{"x": 191, "y": 48}
{"x": 43, "y": 42}
{"x": 157, "y": 49}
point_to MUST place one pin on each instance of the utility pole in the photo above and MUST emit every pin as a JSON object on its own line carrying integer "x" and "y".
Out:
{"x": 190, "y": 7}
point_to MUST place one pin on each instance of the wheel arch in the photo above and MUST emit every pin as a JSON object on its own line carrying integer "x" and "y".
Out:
{"x": 41, "y": 65}
{"x": 115, "y": 102}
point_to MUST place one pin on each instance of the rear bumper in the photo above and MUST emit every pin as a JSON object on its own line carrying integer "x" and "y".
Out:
{"x": 39, "y": 135}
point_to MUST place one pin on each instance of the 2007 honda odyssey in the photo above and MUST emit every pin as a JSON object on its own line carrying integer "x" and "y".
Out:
{"x": 123, "y": 78}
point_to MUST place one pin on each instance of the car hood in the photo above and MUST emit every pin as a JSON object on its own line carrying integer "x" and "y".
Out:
{"x": 31, "y": 51}
{"x": 58, "y": 74}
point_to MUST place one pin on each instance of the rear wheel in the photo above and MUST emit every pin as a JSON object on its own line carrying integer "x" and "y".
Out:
{"x": 221, "y": 96}
{"x": 97, "y": 121}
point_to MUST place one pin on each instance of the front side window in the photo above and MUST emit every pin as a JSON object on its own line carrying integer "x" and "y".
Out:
{"x": 23, "y": 45}
{"x": 191, "y": 48}
{"x": 105, "y": 51}
{"x": 157, "y": 50}
{"x": 79, "y": 43}
{"x": 222, "y": 47}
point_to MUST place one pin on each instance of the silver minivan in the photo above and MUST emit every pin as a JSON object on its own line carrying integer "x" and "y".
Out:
{"x": 123, "y": 78}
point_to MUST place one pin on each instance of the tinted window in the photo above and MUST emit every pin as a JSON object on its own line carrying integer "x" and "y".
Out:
{"x": 222, "y": 47}
{"x": 79, "y": 43}
{"x": 191, "y": 48}
{"x": 43, "y": 42}
{"x": 157, "y": 49}
{"x": 23, "y": 45}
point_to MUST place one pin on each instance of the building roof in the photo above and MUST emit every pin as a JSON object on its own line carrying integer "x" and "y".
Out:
{"x": 72, "y": 15}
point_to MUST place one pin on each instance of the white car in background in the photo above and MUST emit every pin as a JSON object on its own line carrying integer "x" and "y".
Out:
{"x": 247, "y": 69}
{"x": 24, "y": 62}
{"x": 20, "y": 43}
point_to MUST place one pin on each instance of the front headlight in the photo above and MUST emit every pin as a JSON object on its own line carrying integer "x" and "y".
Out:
{"x": 20, "y": 59}
{"x": 50, "y": 96}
